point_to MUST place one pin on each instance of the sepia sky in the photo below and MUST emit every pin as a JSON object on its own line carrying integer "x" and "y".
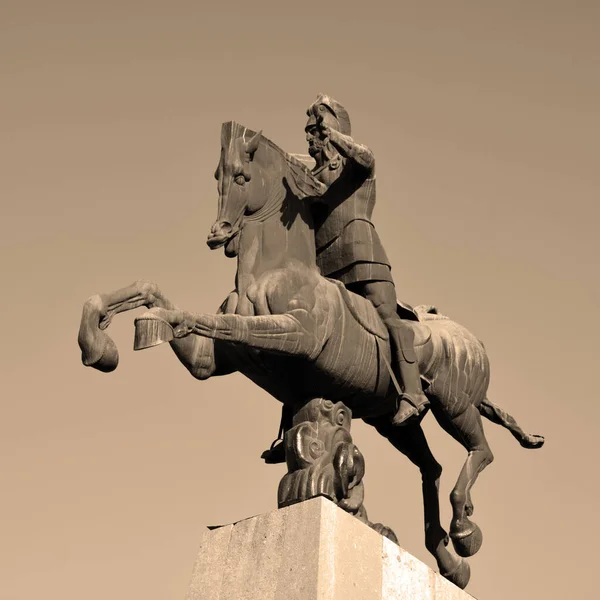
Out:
{"x": 483, "y": 117}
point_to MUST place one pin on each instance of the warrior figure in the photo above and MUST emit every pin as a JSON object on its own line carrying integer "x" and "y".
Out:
{"x": 348, "y": 247}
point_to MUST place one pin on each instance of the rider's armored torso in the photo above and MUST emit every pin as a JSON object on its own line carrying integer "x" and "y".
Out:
{"x": 348, "y": 247}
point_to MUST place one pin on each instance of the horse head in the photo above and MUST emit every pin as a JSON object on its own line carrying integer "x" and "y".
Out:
{"x": 238, "y": 198}
{"x": 254, "y": 177}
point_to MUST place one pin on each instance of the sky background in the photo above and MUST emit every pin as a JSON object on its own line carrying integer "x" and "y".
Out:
{"x": 483, "y": 117}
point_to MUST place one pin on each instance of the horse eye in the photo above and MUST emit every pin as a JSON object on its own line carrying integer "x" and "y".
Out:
{"x": 240, "y": 179}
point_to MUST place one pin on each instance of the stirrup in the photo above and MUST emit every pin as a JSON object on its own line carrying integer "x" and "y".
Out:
{"x": 275, "y": 455}
{"x": 410, "y": 410}
{"x": 411, "y": 399}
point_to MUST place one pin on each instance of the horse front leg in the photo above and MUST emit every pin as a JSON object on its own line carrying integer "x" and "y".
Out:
{"x": 99, "y": 351}
{"x": 294, "y": 333}
{"x": 97, "y": 348}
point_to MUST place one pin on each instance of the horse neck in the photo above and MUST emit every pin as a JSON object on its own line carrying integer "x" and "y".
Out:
{"x": 276, "y": 234}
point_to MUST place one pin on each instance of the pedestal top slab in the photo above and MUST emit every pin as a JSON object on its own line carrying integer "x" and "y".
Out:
{"x": 310, "y": 551}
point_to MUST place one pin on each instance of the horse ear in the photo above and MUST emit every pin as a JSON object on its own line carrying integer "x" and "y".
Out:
{"x": 252, "y": 146}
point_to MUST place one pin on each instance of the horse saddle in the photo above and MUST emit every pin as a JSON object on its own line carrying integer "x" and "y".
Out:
{"x": 366, "y": 315}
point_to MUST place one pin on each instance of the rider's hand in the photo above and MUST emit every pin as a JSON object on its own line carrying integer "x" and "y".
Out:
{"x": 323, "y": 129}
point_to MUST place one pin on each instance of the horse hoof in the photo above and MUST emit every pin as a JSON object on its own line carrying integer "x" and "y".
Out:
{"x": 532, "y": 441}
{"x": 459, "y": 576}
{"x": 109, "y": 358}
{"x": 467, "y": 542}
{"x": 97, "y": 349}
{"x": 151, "y": 331}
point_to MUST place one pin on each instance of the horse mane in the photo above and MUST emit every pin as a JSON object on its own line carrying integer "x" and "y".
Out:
{"x": 298, "y": 176}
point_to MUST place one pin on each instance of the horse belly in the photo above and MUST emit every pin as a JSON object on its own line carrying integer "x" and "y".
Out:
{"x": 349, "y": 370}
{"x": 283, "y": 377}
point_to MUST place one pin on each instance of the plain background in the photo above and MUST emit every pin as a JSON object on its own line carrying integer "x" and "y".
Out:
{"x": 483, "y": 117}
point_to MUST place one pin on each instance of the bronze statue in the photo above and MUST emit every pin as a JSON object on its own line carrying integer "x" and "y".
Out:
{"x": 309, "y": 341}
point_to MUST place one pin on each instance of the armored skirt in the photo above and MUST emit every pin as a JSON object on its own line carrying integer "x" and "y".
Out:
{"x": 355, "y": 255}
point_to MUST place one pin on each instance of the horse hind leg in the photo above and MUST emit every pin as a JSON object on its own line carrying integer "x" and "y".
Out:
{"x": 467, "y": 429}
{"x": 499, "y": 416}
{"x": 411, "y": 441}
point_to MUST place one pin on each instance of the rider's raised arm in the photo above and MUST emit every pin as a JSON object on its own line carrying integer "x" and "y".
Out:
{"x": 348, "y": 148}
{"x": 300, "y": 179}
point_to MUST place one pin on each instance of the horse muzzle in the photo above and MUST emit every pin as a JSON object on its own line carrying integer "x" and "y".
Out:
{"x": 221, "y": 232}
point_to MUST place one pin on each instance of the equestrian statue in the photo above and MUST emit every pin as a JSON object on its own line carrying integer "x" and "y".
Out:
{"x": 314, "y": 321}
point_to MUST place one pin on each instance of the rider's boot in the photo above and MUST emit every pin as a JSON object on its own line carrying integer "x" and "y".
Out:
{"x": 412, "y": 402}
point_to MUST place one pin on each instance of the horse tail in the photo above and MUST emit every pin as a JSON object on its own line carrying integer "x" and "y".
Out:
{"x": 499, "y": 416}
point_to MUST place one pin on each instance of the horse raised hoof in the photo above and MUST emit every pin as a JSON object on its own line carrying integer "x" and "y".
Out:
{"x": 467, "y": 541}
{"x": 151, "y": 330}
{"x": 97, "y": 349}
{"x": 532, "y": 441}
{"x": 110, "y": 357}
{"x": 460, "y": 575}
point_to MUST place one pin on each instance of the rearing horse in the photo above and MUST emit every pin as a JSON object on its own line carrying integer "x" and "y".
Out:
{"x": 301, "y": 336}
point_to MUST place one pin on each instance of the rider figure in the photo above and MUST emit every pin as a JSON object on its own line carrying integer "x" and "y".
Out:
{"x": 348, "y": 247}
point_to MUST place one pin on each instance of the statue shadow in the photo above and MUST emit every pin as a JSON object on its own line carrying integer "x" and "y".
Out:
{"x": 293, "y": 208}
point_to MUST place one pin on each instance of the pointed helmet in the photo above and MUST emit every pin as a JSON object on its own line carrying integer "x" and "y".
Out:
{"x": 334, "y": 107}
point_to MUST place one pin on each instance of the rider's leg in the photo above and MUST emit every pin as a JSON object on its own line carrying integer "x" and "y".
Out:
{"x": 382, "y": 294}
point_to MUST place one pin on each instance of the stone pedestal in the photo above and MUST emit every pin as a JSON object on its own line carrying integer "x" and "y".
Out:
{"x": 310, "y": 551}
